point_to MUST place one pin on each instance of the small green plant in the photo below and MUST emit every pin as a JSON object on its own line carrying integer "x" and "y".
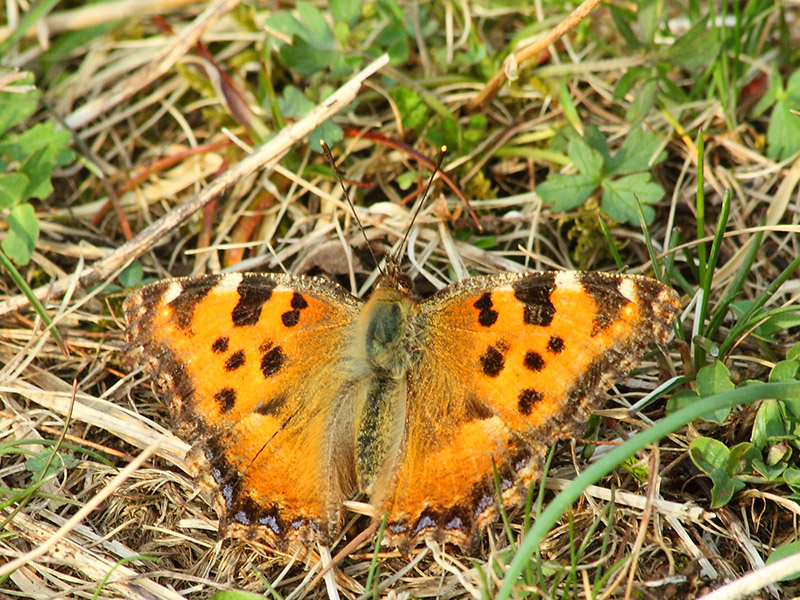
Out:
{"x": 624, "y": 178}
{"x": 770, "y": 457}
{"x": 27, "y": 160}
{"x": 783, "y": 133}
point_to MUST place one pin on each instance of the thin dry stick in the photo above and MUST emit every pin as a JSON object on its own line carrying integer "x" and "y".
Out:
{"x": 79, "y": 516}
{"x": 758, "y": 579}
{"x": 150, "y": 72}
{"x": 490, "y": 90}
{"x": 265, "y": 156}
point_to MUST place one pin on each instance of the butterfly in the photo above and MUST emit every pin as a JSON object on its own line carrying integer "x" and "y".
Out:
{"x": 298, "y": 396}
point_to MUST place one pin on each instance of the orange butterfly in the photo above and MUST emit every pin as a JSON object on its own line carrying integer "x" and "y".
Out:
{"x": 298, "y": 395}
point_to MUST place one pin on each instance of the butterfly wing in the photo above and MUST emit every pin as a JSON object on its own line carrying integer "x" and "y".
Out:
{"x": 507, "y": 365}
{"x": 250, "y": 365}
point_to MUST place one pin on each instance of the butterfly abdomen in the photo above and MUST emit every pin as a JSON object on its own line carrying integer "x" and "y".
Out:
{"x": 380, "y": 355}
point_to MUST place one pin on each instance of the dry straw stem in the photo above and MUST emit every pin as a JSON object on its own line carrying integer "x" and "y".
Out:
{"x": 757, "y": 580}
{"x": 266, "y": 156}
{"x": 490, "y": 90}
{"x": 170, "y": 55}
{"x": 94, "y": 14}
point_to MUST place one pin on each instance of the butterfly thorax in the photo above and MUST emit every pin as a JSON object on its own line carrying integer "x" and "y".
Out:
{"x": 382, "y": 351}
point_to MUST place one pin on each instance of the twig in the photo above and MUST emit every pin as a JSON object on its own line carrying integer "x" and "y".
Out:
{"x": 490, "y": 90}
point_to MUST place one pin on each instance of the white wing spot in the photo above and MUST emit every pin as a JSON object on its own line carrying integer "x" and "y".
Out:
{"x": 568, "y": 281}
{"x": 174, "y": 290}
{"x": 627, "y": 288}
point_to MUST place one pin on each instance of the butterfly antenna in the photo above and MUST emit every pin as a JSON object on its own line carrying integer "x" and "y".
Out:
{"x": 332, "y": 163}
{"x": 421, "y": 201}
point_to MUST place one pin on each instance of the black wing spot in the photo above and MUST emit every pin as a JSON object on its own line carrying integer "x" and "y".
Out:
{"x": 272, "y": 361}
{"x": 534, "y": 294}
{"x": 533, "y": 361}
{"x": 493, "y": 362}
{"x": 298, "y": 302}
{"x": 226, "y": 398}
{"x": 252, "y": 298}
{"x": 487, "y": 315}
{"x": 292, "y": 317}
{"x": 608, "y": 300}
{"x": 220, "y": 345}
{"x": 235, "y": 360}
{"x": 555, "y": 345}
{"x": 527, "y": 398}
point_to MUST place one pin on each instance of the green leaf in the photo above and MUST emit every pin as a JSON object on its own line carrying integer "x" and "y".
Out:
{"x": 414, "y": 113}
{"x": 626, "y": 82}
{"x": 308, "y": 59}
{"x": 12, "y": 189}
{"x": 695, "y": 49}
{"x": 587, "y": 160}
{"x": 622, "y": 19}
{"x": 637, "y": 469}
{"x": 770, "y": 473}
{"x": 783, "y": 132}
{"x": 61, "y": 460}
{"x": 772, "y": 324}
{"x": 636, "y": 153}
{"x": 132, "y": 275}
{"x": 785, "y": 370}
{"x": 681, "y": 399}
{"x": 644, "y": 99}
{"x": 778, "y": 454}
{"x": 647, "y": 17}
{"x": 19, "y": 147}
{"x": 317, "y": 31}
{"x": 768, "y": 425}
{"x": 23, "y": 233}
{"x": 597, "y": 141}
{"x": 565, "y": 192}
{"x": 714, "y": 379}
{"x": 293, "y": 104}
{"x": 739, "y": 458}
{"x": 287, "y": 24}
{"x": 17, "y": 107}
{"x": 711, "y": 457}
{"x": 792, "y": 478}
{"x": 345, "y": 10}
{"x": 620, "y": 195}
{"x": 568, "y": 106}
{"x": 328, "y": 131}
{"x": 38, "y": 167}
{"x": 393, "y": 40}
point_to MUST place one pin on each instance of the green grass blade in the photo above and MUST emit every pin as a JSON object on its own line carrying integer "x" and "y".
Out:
{"x": 667, "y": 425}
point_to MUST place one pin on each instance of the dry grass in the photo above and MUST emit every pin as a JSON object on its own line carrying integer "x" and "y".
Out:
{"x": 165, "y": 126}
